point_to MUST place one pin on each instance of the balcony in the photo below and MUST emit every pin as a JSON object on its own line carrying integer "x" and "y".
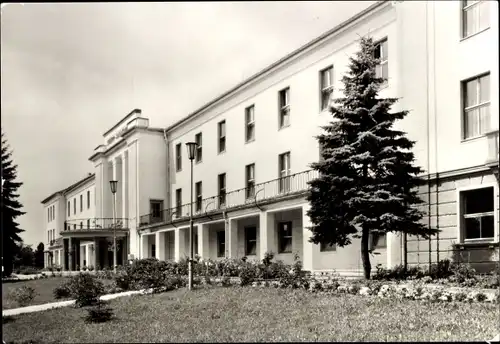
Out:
{"x": 94, "y": 224}
{"x": 492, "y": 138}
{"x": 267, "y": 192}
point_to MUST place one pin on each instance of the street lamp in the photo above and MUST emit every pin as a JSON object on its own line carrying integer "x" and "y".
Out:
{"x": 191, "y": 147}
{"x": 113, "y": 184}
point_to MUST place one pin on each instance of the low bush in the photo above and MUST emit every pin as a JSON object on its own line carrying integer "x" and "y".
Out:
{"x": 86, "y": 289}
{"x": 397, "y": 273}
{"x": 27, "y": 270}
{"x": 23, "y": 295}
{"x": 61, "y": 292}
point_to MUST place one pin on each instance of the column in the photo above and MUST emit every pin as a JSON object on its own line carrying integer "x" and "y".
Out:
{"x": 203, "y": 243}
{"x": 307, "y": 250}
{"x": 64, "y": 255}
{"x": 180, "y": 244}
{"x": 144, "y": 246}
{"x": 70, "y": 254}
{"x": 87, "y": 254}
{"x": 124, "y": 185}
{"x": 266, "y": 233}
{"x": 160, "y": 245}
{"x": 232, "y": 236}
{"x": 124, "y": 251}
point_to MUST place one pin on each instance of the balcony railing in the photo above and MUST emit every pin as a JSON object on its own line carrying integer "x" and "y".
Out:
{"x": 95, "y": 224}
{"x": 294, "y": 184}
{"x": 492, "y": 147}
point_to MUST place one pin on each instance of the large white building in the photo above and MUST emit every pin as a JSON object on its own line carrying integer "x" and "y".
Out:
{"x": 256, "y": 143}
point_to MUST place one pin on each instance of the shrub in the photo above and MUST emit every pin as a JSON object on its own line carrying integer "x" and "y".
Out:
{"x": 248, "y": 273}
{"x": 226, "y": 281}
{"x": 440, "y": 270}
{"x": 460, "y": 296}
{"x": 462, "y": 272}
{"x": 397, "y": 273}
{"x": 27, "y": 270}
{"x": 62, "y": 291}
{"x": 86, "y": 289}
{"x": 99, "y": 314}
{"x": 23, "y": 295}
{"x": 480, "y": 297}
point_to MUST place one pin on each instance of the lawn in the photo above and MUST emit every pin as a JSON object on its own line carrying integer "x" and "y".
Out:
{"x": 249, "y": 315}
{"x": 44, "y": 287}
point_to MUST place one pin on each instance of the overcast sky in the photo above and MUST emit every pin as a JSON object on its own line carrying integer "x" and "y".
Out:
{"x": 70, "y": 71}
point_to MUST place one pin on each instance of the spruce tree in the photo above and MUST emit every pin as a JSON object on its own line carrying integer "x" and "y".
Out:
{"x": 368, "y": 181}
{"x": 10, "y": 209}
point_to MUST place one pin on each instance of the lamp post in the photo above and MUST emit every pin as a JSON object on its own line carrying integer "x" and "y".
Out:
{"x": 191, "y": 147}
{"x": 113, "y": 184}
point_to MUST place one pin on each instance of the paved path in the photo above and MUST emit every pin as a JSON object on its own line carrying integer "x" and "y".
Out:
{"x": 43, "y": 307}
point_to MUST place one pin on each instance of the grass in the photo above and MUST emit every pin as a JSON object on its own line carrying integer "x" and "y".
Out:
{"x": 247, "y": 314}
{"x": 44, "y": 287}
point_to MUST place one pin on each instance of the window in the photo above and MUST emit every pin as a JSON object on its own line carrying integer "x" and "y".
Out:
{"x": 156, "y": 209}
{"x": 199, "y": 198}
{"x": 153, "y": 250}
{"x": 81, "y": 203}
{"x": 199, "y": 151}
{"x": 53, "y": 212}
{"x": 326, "y": 86}
{"x": 285, "y": 237}
{"x": 178, "y": 202}
{"x": 250, "y": 123}
{"x": 88, "y": 223}
{"x": 250, "y": 180}
{"x": 74, "y": 205}
{"x": 222, "y": 189}
{"x": 475, "y": 17}
{"x": 378, "y": 240}
{"x": 74, "y": 227}
{"x": 81, "y": 224}
{"x": 250, "y": 241}
{"x": 327, "y": 247}
{"x": 195, "y": 241}
{"x": 88, "y": 199}
{"x": 222, "y": 136}
{"x": 178, "y": 156}
{"x": 284, "y": 102}
{"x": 478, "y": 214}
{"x": 476, "y": 95}
{"x": 382, "y": 54}
{"x": 69, "y": 208}
{"x": 284, "y": 172}
{"x": 221, "y": 244}
{"x": 48, "y": 215}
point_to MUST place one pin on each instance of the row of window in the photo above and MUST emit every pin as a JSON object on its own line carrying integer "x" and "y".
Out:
{"x": 51, "y": 213}
{"x": 81, "y": 204}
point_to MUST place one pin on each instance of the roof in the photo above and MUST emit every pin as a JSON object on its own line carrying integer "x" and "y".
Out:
{"x": 279, "y": 62}
{"x": 69, "y": 188}
{"x": 122, "y": 120}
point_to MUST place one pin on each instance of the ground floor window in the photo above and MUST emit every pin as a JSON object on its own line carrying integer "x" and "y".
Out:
{"x": 477, "y": 218}
{"x": 153, "y": 250}
{"x": 327, "y": 247}
{"x": 250, "y": 241}
{"x": 221, "y": 243}
{"x": 285, "y": 237}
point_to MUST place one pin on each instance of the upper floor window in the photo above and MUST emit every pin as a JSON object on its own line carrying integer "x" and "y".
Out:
{"x": 88, "y": 199}
{"x": 88, "y": 223}
{"x": 48, "y": 214}
{"x": 53, "y": 212}
{"x": 222, "y": 189}
{"x": 250, "y": 180}
{"x": 284, "y": 172}
{"x": 178, "y": 202}
{"x": 222, "y": 136}
{"x": 326, "y": 86}
{"x": 478, "y": 213}
{"x": 382, "y": 54}
{"x": 74, "y": 205}
{"x": 476, "y": 97}
{"x": 156, "y": 209}
{"x": 475, "y": 17}
{"x": 284, "y": 104}
{"x": 199, "y": 197}
{"x": 250, "y": 123}
{"x": 81, "y": 203}
{"x": 199, "y": 151}
{"x": 178, "y": 156}
{"x": 69, "y": 208}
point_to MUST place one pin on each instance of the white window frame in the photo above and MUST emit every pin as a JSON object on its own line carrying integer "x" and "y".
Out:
{"x": 221, "y": 190}
{"x": 477, "y": 18}
{"x": 249, "y": 123}
{"x": 328, "y": 89}
{"x": 285, "y": 237}
{"x": 221, "y": 138}
{"x": 285, "y": 171}
{"x": 383, "y": 62}
{"x": 284, "y": 109}
{"x": 178, "y": 157}
{"x": 460, "y": 220}
{"x": 199, "y": 148}
{"x": 474, "y": 107}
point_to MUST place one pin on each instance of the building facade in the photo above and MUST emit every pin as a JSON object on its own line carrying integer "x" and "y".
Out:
{"x": 255, "y": 144}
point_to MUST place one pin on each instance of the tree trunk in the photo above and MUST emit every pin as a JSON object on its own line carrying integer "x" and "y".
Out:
{"x": 365, "y": 254}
